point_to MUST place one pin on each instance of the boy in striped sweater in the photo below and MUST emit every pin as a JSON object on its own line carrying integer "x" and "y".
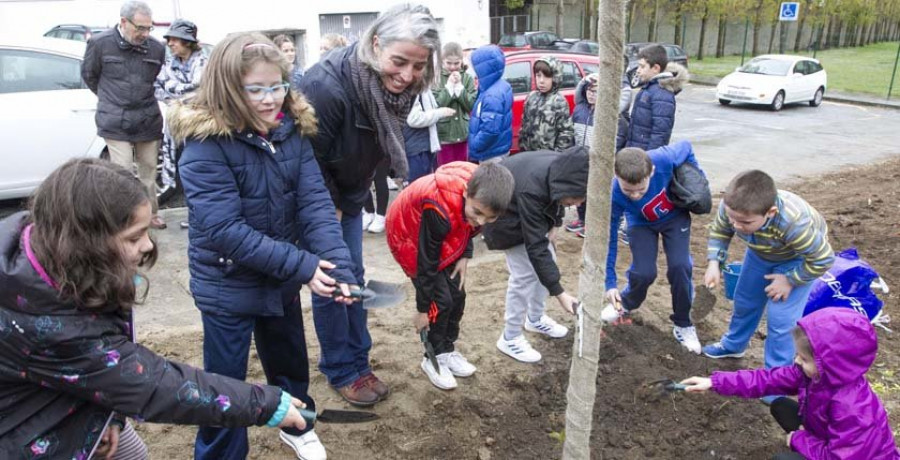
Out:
{"x": 787, "y": 248}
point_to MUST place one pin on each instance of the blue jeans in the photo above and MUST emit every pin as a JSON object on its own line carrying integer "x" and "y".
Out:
{"x": 676, "y": 238}
{"x": 281, "y": 345}
{"x": 342, "y": 329}
{"x": 749, "y": 302}
{"x": 420, "y": 164}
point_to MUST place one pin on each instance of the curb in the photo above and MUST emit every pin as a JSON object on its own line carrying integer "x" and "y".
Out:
{"x": 843, "y": 98}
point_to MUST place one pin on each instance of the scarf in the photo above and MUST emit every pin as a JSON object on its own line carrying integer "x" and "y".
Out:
{"x": 388, "y": 112}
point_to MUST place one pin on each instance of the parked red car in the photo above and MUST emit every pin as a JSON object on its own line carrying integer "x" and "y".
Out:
{"x": 519, "y": 75}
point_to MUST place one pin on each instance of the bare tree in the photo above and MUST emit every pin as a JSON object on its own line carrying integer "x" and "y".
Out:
{"x": 586, "y": 350}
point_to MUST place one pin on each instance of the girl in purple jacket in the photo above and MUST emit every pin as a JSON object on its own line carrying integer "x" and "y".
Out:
{"x": 837, "y": 415}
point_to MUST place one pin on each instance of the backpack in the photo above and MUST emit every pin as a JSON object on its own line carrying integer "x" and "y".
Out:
{"x": 689, "y": 189}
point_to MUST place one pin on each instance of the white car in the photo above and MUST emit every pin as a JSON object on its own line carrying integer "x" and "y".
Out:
{"x": 46, "y": 111}
{"x": 775, "y": 80}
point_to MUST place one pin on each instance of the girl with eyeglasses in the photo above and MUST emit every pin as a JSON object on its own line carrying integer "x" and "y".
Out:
{"x": 262, "y": 224}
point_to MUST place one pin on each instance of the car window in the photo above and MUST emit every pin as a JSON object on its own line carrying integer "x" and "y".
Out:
{"x": 518, "y": 75}
{"x": 766, "y": 66}
{"x": 80, "y": 36}
{"x": 672, "y": 52}
{"x": 23, "y": 71}
{"x": 813, "y": 67}
{"x": 800, "y": 67}
{"x": 590, "y": 68}
{"x": 570, "y": 75}
{"x": 538, "y": 40}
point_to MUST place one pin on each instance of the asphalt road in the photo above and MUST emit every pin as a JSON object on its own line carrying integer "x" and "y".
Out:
{"x": 798, "y": 141}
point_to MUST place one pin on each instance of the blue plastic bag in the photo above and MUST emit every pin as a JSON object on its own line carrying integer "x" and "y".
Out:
{"x": 848, "y": 283}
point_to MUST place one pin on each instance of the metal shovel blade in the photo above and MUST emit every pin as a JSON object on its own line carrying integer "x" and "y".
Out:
{"x": 338, "y": 416}
{"x": 704, "y": 301}
{"x": 379, "y": 294}
{"x": 429, "y": 350}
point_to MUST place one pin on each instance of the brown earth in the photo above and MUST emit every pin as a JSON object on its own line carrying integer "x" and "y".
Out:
{"x": 510, "y": 410}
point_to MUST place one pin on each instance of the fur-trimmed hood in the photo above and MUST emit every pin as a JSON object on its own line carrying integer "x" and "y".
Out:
{"x": 674, "y": 78}
{"x": 187, "y": 120}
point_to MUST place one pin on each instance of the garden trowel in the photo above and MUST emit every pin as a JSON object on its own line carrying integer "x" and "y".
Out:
{"x": 704, "y": 301}
{"x": 656, "y": 390}
{"x": 429, "y": 350}
{"x": 377, "y": 294}
{"x": 337, "y": 416}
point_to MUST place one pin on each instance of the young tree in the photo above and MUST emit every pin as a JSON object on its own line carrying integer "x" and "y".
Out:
{"x": 582, "y": 389}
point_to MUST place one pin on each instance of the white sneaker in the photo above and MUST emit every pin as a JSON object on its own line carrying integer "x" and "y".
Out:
{"x": 519, "y": 349}
{"x": 377, "y": 225}
{"x": 456, "y": 363}
{"x": 687, "y": 337}
{"x": 307, "y": 446}
{"x": 392, "y": 184}
{"x": 609, "y": 314}
{"x": 547, "y": 326}
{"x": 367, "y": 219}
{"x": 443, "y": 380}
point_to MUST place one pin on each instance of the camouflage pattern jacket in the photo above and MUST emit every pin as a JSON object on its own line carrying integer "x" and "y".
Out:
{"x": 546, "y": 124}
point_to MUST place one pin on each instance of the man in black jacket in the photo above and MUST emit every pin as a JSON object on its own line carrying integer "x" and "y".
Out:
{"x": 546, "y": 183}
{"x": 120, "y": 66}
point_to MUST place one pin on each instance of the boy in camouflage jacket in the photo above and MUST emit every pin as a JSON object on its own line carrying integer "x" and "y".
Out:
{"x": 545, "y": 119}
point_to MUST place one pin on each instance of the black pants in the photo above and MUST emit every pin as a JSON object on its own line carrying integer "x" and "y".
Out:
{"x": 381, "y": 191}
{"x": 786, "y": 412}
{"x": 444, "y": 329}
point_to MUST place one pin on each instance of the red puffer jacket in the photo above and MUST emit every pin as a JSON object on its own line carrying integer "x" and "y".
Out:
{"x": 444, "y": 191}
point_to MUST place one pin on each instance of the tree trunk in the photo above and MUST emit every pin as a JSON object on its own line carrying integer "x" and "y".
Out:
{"x": 721, "y": 35}
{"x": 632, "y": 6}
{"x": 651, "y": 30}
{"x": 757, "y": 23}
{"x": 582, "y": 390}
{"x": 678, "y": 25}
{"x": 801, "y": 22}
{"x": 703, "y": 21}
{"x": 559, "y": 19}
{"x": 588, "y": 19}
{"x": 772, "y": 28}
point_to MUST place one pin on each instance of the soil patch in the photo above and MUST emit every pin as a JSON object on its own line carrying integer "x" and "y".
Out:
{"x": 510, "y": 410}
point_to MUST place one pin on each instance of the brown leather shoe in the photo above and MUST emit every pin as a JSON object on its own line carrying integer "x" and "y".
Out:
{"x": 358, "y": 394}
{"x": 375, "y": 384}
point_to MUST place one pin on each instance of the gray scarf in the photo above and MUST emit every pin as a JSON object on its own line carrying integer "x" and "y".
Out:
{"x": 387, "y": 111}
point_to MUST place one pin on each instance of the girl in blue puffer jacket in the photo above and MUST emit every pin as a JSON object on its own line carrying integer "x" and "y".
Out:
{"x": 262, "y": 224}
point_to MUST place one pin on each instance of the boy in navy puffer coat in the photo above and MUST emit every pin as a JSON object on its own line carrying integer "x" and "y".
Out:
{"x": 653, "y": 114}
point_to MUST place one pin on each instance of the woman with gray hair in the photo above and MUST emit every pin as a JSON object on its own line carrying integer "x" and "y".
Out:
{"x": 362, "y": 95}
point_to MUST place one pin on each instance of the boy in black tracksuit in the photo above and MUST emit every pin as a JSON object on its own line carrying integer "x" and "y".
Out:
{"x": 546, "y": 183}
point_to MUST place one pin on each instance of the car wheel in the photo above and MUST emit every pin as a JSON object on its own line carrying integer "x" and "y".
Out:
{"x": 778, "y": 101}
{"x": 724, "y": 101}
{"x": 817, "y": 99}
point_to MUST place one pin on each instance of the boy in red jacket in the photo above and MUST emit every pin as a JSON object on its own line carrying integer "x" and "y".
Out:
{"x": 429, "y": 228}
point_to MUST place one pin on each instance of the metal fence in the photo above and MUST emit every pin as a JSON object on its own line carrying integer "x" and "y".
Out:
{"x": 507, "y": 24}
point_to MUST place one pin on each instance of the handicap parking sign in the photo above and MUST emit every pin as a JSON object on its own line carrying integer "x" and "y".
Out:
{"x": 788, "y": 11}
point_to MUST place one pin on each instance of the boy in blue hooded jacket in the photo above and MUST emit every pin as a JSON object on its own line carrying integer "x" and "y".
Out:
{"x": 490, "y": 124}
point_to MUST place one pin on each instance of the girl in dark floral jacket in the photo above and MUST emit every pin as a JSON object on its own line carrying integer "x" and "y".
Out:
{"x": 70, "y": 372}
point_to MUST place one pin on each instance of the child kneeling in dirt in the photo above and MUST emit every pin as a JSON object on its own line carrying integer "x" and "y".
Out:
{"x": 639, "y": 192}
{"x": 787, "y": 249}
{"x": 838, "y": 415}
{"x": 429, "y": 231}
{"x": 546, "y": 182}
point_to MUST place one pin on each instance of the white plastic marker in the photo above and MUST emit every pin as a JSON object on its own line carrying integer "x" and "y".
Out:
{"x": 579, "y": 312}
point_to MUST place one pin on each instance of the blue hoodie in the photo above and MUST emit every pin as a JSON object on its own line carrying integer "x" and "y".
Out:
{"x": 654, "y": 207}
{"x": 490, "y": 126}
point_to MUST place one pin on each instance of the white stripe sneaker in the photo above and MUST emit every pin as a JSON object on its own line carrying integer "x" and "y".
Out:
{"x": 547, "y": 326}
{"x": 519, "y": 349}
{"x": 687, "y": 337}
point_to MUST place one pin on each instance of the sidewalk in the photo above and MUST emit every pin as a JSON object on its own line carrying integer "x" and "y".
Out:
{"x": 846, "y": 98}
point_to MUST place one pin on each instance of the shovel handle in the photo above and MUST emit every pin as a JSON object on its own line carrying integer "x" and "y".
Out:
{"x": 309, "y": 416}
{"x": 355, "y": 294}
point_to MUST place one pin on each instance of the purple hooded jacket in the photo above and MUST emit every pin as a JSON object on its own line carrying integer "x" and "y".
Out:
{"x": 842, "y": 416}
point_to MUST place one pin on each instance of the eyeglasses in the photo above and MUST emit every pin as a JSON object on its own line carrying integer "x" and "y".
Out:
{"x": 258, "y": 93}
{"x": 140, "y": 28}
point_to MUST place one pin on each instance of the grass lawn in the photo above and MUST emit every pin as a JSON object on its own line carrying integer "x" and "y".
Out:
{"x": 850, "y": 70}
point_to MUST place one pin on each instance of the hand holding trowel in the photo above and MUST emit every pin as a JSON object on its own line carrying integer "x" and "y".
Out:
{"x": 377, "y": 294}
